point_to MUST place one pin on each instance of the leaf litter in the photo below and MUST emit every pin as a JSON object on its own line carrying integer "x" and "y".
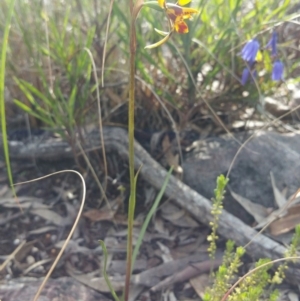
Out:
{"x": 173, "y": 238}
{"x": 173, "y": 250}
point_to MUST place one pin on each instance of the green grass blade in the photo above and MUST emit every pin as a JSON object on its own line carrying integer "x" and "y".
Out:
{"x": 112, "y": 291}
{"x": 149, "y": 216}
{"x": 2, "y": 87}
{"x": 30, "y": 91}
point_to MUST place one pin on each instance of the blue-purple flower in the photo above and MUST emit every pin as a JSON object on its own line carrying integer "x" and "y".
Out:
{"x": 250, "y": 50}
{"x": 277, "y": 73}
{"x": 273, "y": 44}
{"x": 252, "y": 56}
{"x": 245, "y": 76}
{"x": 246, "y": 73}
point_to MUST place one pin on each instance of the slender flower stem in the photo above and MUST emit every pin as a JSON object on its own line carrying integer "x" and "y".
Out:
{"x": 132, "y": 198}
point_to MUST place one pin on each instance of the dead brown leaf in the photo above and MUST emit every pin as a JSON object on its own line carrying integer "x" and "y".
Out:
{"x": 287, "y": 222}
{"x": 279, "y": 197}
{"x": 187, "y": 273}
{"x": 97, "y": 283}
{"x": 258, "y": 211}
{"x": 177, "y": 216}
{"x": 115, "y": 98}
{"x": 96, "y": 215}
{"x": 24, "y": 251}
{"x": 52, "y": 217}
{"x": 172, "y": 160}
{"x": 119, "y": 266}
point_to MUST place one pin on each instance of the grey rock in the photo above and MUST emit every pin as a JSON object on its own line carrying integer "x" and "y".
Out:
{"x": 250, "y": 176}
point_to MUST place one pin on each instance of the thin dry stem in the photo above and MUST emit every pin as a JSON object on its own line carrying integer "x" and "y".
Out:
{"x": 100, "y": 122}
{"x": 72, "y": 230}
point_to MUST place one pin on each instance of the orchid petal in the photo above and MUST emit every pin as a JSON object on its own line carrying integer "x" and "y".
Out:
{"x": 181, "y": 27}
{"x": 183, "y": 2}
{"x": 162, "y": 3}
{"x": 189, "y": 11}
{"x": 162, "y": 33}
{"x": 159, "y": 42}
{"x": 176, "y": 15}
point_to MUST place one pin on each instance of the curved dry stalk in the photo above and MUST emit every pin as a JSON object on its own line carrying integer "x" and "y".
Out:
{"x": 100, "y": 124}
{"x": 72, "y": 230}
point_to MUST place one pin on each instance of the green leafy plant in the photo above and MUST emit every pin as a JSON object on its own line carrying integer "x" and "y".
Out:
{"x": 226, "y": 272}
{"x": 217, "y": 208}
{"x": 4, "y": 49}
{"x": 61, "y": 105}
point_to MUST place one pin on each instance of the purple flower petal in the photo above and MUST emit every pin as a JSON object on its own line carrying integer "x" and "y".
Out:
{"x": 273, "y": 44}
{"x": 277, "y": 73}
{"x": 247, "y": 72}
{"x": 250, "y": 50}
{"x": 245, "y": 76}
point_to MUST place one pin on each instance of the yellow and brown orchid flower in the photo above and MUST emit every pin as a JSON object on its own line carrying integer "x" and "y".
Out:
{"x": 176, "y": 15}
